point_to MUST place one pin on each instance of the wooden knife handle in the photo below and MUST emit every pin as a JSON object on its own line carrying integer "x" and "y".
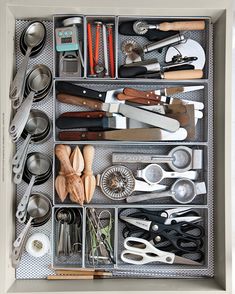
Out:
{"x": 183, "y": 74}
{"x": 145, "y": 101}
{"x": 75, "y": 100}
{"x": 62, "y": 155}
{"x": 85, "y": 114}
{"x": 81, "y": 136}
{"x": 182, "y": 26}
{"x": 141, "y": 94}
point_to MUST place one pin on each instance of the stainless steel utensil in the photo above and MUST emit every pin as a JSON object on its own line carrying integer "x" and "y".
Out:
{"x": 117, "y": 182}
{"x": 37, "y": 208}
{"x": 182, "y": 191}
{"x": 39, "y": 167}
{"x": 33, "y": 36}
{"x": 154, "y": 173}
{"x": 179, "y": 159}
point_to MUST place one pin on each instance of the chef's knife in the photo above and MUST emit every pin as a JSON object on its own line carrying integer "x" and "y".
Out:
{"x": 75, "y": 90}
{"x": 154, "y": 94}
{"x": 142, "y": 115}
{"x": 152, "y": 134}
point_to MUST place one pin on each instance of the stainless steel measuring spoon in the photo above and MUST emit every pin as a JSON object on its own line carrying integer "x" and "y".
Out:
{"x": 179, "y": 159}
{"x": 33, "y": 36}
{"x": 154, "y": 173}
{"x": 37, "y": 208}
{"x": 182, "y": 191}
{"x": 38, "y": 165}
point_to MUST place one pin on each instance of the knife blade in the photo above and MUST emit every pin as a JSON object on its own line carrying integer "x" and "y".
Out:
{"x": 163, "y": 99}
{"x": 75, "y": 90}
{"x": 152, "y": 134}
{"x": 154, "y": 94}
{"x": 142, "y": 115}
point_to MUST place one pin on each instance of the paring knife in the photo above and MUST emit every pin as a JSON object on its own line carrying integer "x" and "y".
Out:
{"x": 152, "y": 134}
{"x": 142, "y": 115}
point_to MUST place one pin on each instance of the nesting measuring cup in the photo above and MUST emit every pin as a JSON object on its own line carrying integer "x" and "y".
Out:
{"x": 182, "y": 191}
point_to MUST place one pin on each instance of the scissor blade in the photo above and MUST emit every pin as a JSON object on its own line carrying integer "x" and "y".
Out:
{"x": 186, "y": 261}
{"x": 140, "y": 223}
{"x": 191, "y": 219}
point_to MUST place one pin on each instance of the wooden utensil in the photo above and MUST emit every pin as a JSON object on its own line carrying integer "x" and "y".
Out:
{"x": 74, "y": 184}
{"x": 82, "y": 273}
{"x": 77, "y": 161}
{"x": 67, "y": 277}
{"x": 60, "y": 181}
{"x": 88, "y": 178}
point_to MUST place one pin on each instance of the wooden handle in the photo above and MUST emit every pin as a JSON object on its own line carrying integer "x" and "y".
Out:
{"x": 68, "y": 150}
{"x": 83, "y": 273}
{"x": 143, "y": 101}
{"x": 182, "y": 26}
{"x": 72, "y": 277}
{"x": 85, "y": 114}
{"x": 81, "y": 136}
{"x": 173, "y": 90}
{"x": 81, "y": 101}
{"x": 88, "y": 153}
{"x": 183, "y": 74}
{"x": 62, "y": 155}
{"x": 77, "y": 161}
{"x": 141, "y": 94}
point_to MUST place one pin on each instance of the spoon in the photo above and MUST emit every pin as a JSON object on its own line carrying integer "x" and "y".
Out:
{"x": 33, "y": 36}
{"x": 182, "y": 191}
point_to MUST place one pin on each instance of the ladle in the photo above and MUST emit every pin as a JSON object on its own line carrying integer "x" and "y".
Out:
{"x": 154, "y": 173}
{"x": 182, "y": 191}
{"x": 33, "y": 36}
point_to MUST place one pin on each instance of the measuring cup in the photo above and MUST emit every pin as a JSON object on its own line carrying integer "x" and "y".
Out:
{"x": 154, "y": 173}
{"x": 179, "y": 159}
{"x": 117, "y": 182}
{"x": 182, "y": 191}
{"x": 37, "y": 208}
{"x": 38, "y": 169}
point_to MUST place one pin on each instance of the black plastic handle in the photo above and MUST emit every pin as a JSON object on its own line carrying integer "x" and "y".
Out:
{"x": 132, "y": 71}
{"x": 76, "y": 123}
{"x": 75, "y": 90}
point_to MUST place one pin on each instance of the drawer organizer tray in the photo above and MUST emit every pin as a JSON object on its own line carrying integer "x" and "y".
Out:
{"x": 104, "y": 149}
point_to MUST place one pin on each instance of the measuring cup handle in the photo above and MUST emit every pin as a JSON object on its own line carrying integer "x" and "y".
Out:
{"x": 192, "y": 174}
{"x": 23, "y": 234}
{"x": 148, "y": 196}
{"x": 20, "y": 153}
{"x": 18, "y": 84}
{"x": 24, "y": 201}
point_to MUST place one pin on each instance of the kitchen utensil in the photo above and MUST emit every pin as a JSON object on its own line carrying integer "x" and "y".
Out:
{"x": 147, "y": 67}
{"x": 182, "y": 191}
{"x": 189, "y": 48}
{"x": 154, "y": 173}
{"x": 173, "y": 40}
{"x": 38, "y": 128}
{"x": 70, "y": 64}
{"x": 88, "y": 178}
{"x": 60, "y": 181}
{"x": 74, "y": 183}
{"x": 182, "y": 74}
{"x": 132, "y": 50}
{"x": 77, "y": 161}
{"x": 179, "y": 159}
{"x": 139, "y": 251}
{"x": 90, "y": 49}
{"x": 111, "y": 49}
{"x": 143, "y": 134}
{"x": 141, "y": 27}
{"x": 160, "y": 95}
{"x": 37, "y": 208}
{"x": 117, "y": 182}
{"x": 33, "y": 36}
{"x": 38, "y": 245}
{"x": 38, "y": 169}
{"x": 105, "y": 48}
{"x": 147, "y": 117}
{"x": 98, "y": 26}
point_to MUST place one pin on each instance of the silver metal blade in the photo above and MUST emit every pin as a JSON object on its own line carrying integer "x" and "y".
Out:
{"x": 186, "y": 261}
{"x": 111, "y": 96}
{"x": 140, "y": 223}
{"x": 117, "y": 122}
{"x": 191, "y": 219}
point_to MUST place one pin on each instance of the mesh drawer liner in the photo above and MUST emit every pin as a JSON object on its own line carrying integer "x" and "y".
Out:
{"x": 32, "y": 268}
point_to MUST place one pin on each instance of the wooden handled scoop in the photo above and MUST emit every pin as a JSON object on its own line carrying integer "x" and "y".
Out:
{"x": 74, "y": 183}
{"x": 60, "y": 181}
{"x": 88, "y": 177}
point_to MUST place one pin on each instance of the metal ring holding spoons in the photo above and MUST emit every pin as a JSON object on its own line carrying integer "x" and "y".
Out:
{"x": 154, "y": 173}
{"x": 182, "y": 191}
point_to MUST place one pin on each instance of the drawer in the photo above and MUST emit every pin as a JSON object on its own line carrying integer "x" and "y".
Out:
{"x": 210, "y": 137}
